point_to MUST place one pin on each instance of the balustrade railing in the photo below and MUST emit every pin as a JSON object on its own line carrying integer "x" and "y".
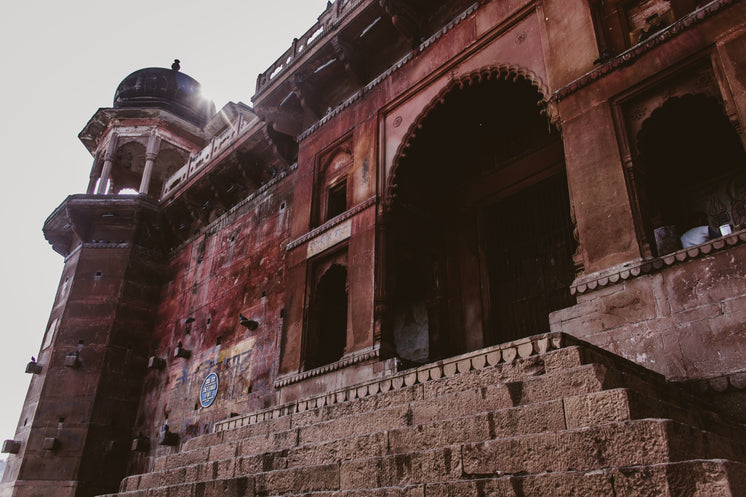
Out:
{"x": 198, "y": 161}
{"x": 327, "y": 20}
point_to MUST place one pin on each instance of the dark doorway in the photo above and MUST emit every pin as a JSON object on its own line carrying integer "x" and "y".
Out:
{"x": 327, "y": 319}
{"x": 472, "y": 203}
{"x": 528, "y": 247}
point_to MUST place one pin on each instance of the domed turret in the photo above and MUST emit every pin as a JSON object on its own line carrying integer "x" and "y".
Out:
{"x": 167, "y": 89}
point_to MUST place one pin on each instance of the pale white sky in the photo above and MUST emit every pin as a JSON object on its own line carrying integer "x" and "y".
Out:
{"x": 61, "y": 61}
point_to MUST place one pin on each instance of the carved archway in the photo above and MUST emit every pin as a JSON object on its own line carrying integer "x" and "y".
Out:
{"x": 483, "y": 145}
{"x": 508, "y": 73}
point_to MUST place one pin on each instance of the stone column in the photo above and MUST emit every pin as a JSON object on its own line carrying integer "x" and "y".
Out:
{"x": 154, "y": 144}
{"x": 94, "y": 176}
{"x": 108, "y": 161}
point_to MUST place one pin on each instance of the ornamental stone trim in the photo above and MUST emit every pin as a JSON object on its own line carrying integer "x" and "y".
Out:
{"x": 345, "y": 362}
{"x": 629, "y": 56}
{"x": 492, "y": 356}
{"x": 331, "y": 223}
{"x": 589, "y": 283}
{"x": 720, "y": 384}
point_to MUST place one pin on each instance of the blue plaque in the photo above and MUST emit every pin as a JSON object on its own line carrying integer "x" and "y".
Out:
{"x": 209, "y": 390}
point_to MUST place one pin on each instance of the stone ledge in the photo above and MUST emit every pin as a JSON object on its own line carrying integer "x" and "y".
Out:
{"x": 589, "y": 283}
{"x": 499, "y": 354}
{"x": 331, "y": 223}
{"x": 351, "y": 360}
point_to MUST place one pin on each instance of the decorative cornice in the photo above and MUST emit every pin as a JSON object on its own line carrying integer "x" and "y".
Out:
{"x": 506, "y": 353}
{"x": 586, "y": 284}
{"x": 391, "y": 70}
{"x": 331, "y": 223}
{"x": 357, "y": 358}
{"x": 629, "y": 56}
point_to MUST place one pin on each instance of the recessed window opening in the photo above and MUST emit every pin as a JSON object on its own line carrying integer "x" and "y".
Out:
{"x": 326, "y": 337}
{"x": 695, "y": 167}
{"x": 337, "y": 200}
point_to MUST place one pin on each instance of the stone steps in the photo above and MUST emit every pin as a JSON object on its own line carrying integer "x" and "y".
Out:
{"x": 529, "y": 415}
{"x": 537, "y": 403}
{"x": 692, "y": 478}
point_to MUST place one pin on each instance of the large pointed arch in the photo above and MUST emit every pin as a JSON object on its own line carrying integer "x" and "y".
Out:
{"x": 482, "y": 150}
{"x": 505, "y": 72}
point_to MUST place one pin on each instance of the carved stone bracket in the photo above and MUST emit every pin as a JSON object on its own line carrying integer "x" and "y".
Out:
{"x": 404, "y": 18}
{"x": 307, "y": 96}
{"x": 349, "y": 56}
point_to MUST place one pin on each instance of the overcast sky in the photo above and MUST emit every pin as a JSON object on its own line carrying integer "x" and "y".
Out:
{"x": 61, "y": 61}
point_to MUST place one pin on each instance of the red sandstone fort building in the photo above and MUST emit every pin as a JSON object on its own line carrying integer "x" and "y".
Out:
{"x": 440, "y": 255}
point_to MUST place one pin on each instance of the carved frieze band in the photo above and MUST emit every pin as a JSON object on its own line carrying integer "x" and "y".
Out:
{"x": 363, "y": 356}
{"x": 331, "y": 224}
{"x": 629, "y": 56}
{"x": 620, "y": 273}
{"x": 713, "y": 386}
{"x": 500, "y": 354}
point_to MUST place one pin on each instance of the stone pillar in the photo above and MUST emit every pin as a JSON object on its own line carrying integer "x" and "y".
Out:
{"x": 94, "y": 176}
{"x": 154, "y": 144}
{"x": 595, "y": 175}
{"x": 108, "y": 161}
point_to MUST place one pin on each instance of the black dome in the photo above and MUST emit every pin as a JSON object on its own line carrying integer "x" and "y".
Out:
{"x": 166, "y": 89}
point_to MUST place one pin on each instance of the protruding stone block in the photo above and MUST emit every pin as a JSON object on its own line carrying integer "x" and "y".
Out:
{"x": 169, "y": 438}
{"x": 156, "y": 363}
{"x": 180, "y": 351}
{"x": 50, "y": 443}
{"x": 33, "y": 367}
{"x": 140, "y": 444}
{"x": 72, "y": 360}
{"x": 11, "y": 447}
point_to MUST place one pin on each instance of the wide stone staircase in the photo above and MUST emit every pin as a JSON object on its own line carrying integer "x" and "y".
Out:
{"x": 544, "y": 416}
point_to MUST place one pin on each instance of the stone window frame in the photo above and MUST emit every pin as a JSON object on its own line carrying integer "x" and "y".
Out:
{"x": 317, "y": 268}
{"x": 630, "y": 105}
{"x": 325, "y": 181}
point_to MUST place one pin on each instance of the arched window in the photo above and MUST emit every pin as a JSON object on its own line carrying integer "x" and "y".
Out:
{"x": 332, "y": 185}
{"x": 694, "y": 163}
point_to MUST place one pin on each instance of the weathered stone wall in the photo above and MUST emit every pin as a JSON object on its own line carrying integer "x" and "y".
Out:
{"x": 233, "y": 267}
{"x": 686, "y": 321}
